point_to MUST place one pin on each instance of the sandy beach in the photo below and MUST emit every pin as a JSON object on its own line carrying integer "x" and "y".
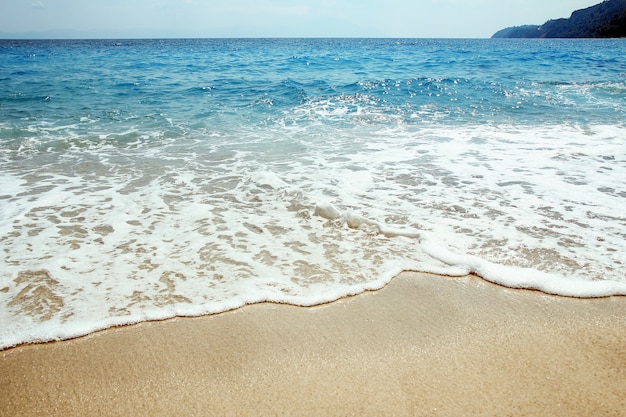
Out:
{"x": 424, "y": 345}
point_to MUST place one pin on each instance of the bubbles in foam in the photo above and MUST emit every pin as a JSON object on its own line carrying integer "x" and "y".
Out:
{"x": 192, "y": 235}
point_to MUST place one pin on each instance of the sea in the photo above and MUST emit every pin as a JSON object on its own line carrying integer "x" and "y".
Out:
{"x": 147, "y": 179}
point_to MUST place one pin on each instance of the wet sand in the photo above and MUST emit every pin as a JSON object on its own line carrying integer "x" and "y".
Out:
{"x": 424, "y": 345}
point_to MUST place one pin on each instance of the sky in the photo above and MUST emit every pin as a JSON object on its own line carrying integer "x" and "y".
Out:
{"x": 275, "y": 18}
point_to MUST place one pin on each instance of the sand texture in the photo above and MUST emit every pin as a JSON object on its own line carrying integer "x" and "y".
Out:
{"x": 424, "y": 345}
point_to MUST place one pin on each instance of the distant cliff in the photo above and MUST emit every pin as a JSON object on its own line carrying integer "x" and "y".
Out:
{"x": 604, "y": 20}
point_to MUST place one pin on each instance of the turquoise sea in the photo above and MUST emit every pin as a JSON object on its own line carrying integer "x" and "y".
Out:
{"x": 144, "y": 179}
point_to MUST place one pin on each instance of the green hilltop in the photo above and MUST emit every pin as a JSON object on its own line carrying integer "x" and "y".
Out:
{"x": 604, "y": 20}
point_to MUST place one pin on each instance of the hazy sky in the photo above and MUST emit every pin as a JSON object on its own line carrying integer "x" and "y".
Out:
{"x": 278, "y": 18}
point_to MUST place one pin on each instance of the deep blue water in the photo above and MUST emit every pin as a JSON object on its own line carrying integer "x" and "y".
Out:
{"x": 200, "y": 83}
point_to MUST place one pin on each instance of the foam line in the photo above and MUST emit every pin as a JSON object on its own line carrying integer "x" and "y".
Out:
{"x": 525, "y": 278}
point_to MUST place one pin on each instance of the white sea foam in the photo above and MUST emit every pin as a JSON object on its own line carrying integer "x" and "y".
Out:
{"x": 525, "y": 278}
{"x": 108, "y": 235}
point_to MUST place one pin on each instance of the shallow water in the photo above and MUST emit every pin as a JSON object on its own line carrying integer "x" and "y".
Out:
{"x": 152, "y": 178}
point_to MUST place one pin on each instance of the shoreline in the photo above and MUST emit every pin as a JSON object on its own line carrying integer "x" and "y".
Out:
{"x": 422, "y": 345}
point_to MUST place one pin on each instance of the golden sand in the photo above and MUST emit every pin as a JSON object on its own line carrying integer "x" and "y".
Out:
{"x": 424, "y": 345}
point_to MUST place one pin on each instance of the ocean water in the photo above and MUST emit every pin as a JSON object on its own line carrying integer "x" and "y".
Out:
{"x": 143, "y": 179}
